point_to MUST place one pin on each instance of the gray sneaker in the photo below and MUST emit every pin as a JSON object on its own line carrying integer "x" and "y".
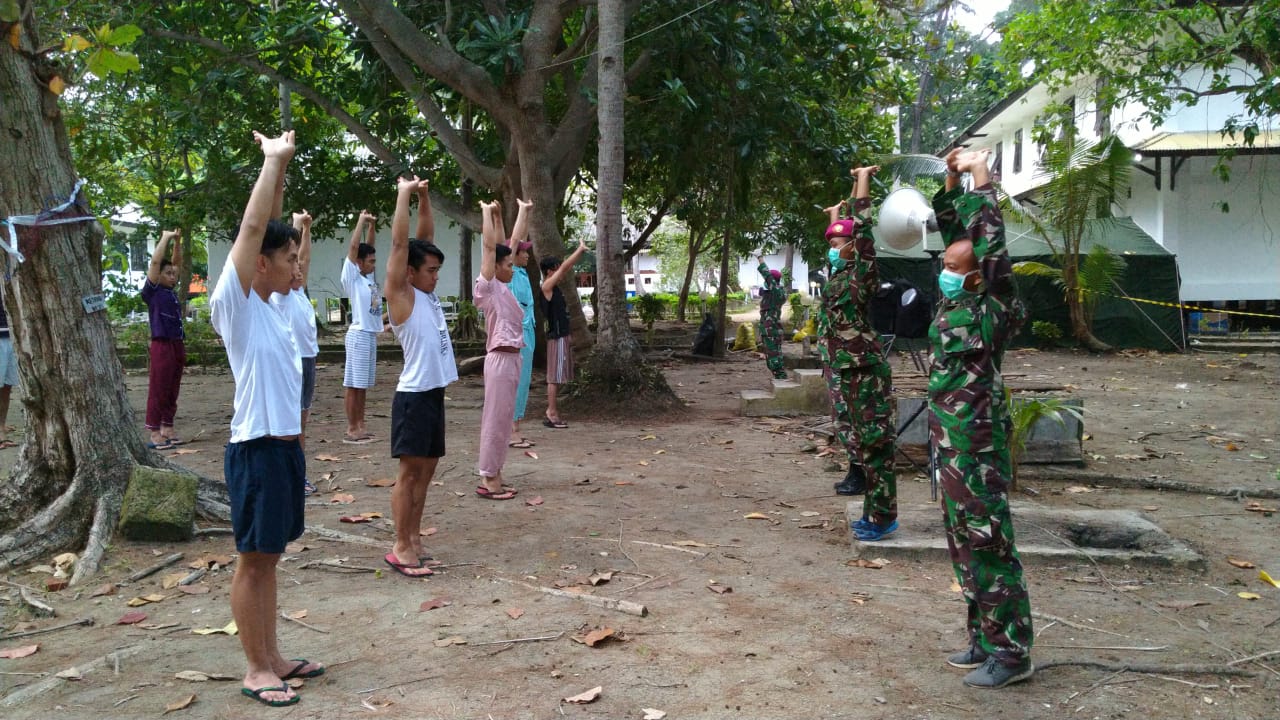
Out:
{"x": 994, "y": 674}
{"x": 967, "y": 659}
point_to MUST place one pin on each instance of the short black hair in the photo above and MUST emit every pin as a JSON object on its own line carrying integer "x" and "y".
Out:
{"x": 365, "y": 250}
{"x": 420, "y": 249}
{"x": 548, "y": 264}
{"x": 500, "y": 252}
{"x": 277, "y": 235}
{"x": 164, "y": 264}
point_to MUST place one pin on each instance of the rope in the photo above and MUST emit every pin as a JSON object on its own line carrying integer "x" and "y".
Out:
{"x": 13, "y": 221}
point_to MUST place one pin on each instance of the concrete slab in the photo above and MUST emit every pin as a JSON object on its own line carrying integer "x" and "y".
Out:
{"x": 1043, "y": 535}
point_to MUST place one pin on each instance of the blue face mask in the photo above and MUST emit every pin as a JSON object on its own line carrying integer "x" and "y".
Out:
{"x": 952, "y": 284}
{"x": 837, "y": 262}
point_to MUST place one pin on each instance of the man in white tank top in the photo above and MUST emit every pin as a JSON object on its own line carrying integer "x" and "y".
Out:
{"x": 417, "y": 410}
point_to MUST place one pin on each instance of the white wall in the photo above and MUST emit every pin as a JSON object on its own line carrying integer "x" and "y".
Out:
{"x": 1222, "y": 256}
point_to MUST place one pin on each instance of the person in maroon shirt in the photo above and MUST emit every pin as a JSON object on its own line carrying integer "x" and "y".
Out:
{"x": 168, "y": 353}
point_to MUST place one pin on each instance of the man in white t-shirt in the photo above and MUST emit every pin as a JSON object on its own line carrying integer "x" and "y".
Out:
{"x": 365, "y": 299}
{"x": 417, "y": 411}
{"x": 264, "y": 465}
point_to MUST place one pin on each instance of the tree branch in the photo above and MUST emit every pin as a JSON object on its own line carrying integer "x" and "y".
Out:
{"x": 448, "y": 136}
{"x": 435, "y": 59}
{"x": 649, "y": 229}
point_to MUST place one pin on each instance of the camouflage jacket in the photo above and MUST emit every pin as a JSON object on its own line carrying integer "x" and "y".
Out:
{"x": 968, "y": 336}
{"x": 773, "y": 297}
{"x": 844, "y": 322}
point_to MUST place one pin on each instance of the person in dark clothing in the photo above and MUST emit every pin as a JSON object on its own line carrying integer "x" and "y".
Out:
{"x": 559, "y": 352}
{"x": 168, "y": 352}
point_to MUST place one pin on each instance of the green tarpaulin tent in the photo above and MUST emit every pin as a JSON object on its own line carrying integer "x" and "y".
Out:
{"x": 1151, "y": 273}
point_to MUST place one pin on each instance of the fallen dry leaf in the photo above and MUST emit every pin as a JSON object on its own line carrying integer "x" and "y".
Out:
{"x": 108, "y": 589}
{"x": 374, "y": 515}
{"x": 19, "y": 652}
{"x": 179, "y": 704}
{"x": 193, "y": 589}
{"x": 381, "y": 482}
{"x": 428, "y": 532}
{"x": 600, "y": 577}
{"x": 169, "y": 582}
{"x": 1264, "y": 577}
{"x": 864, "y": 563}
{"x": 955, "y": 587}
{"x": 653, "y": 713}
{"x": 146, "y": 599}
{"x": 433, "y": 603}
{"x": 342, "y": 498}
{"x": 186, "y": 451}
{"x": 535, "y": 500}
{"x": 755, "y": 516}
{"x": 328, "y": 458}
{"x": 1151, "y": 508}
{"x": 298, "y": 614}
{"x": 1180, "y": 604}
{"x": 595, "y": 636}
{"x": 1248, "y": 596}
{"x": 199, "y": 676}
{"x": 296, "y": 547}
{"x": 446, "y": 642}
{"x": 1255, "y": 506}
{"x": 158, "y": 626}
{"x": 586, "y": 697}
{"x": 624, "y": 482}
{"x": 132, "y": 618}
{"x": 689, "y": 543}
{"x": 531, "y": 454}
{"x": 860, "y": 597}
{"x": 515, "y": 613}
{"x": 1244, "y": 564}
{"x": 810, "y": 513}
{"x": 1077, "y": 489}
{"x": 209, "y": 560}
{"x": 228, "y": 629}
{"x": 719, "y": 589}
{"x": 70, "y": 673}
{"x": 354, "y": 519}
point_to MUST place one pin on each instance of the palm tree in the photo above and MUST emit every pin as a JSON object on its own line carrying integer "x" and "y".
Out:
{"x": 1084, "y": 180}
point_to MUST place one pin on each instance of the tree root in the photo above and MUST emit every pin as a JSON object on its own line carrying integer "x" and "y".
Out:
{"x": 111, "y": 659}
{"x": 1180, "y": 668}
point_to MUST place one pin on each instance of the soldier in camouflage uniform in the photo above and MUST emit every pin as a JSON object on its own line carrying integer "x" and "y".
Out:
{"x": 970, "y": 425}
{"x": 772, "y": 298}
{"x": 858, "y": 377}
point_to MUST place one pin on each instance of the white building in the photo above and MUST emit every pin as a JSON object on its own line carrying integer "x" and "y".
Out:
{"x": 1224, "y": 234}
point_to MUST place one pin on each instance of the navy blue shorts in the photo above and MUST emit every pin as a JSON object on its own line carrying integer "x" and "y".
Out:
{"x": 264, "y": 479}
{"x": 417, "y": 424}
{"x": 308, "y": 381}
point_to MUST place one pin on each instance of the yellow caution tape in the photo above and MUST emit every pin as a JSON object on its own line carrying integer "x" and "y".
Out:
{"x": 1183, "y": 306}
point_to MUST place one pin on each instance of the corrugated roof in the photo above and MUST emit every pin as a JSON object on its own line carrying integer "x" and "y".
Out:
{"x": 1207, "y": 142}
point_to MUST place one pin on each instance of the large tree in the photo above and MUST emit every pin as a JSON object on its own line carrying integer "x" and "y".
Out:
{"x": 82, "y": 442}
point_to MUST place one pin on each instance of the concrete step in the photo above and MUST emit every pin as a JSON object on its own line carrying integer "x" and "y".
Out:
{"x": 1044, "y": 536}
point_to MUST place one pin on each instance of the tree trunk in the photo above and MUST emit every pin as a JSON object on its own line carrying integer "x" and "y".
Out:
{"x": 465, "y": 276}
{"x": 695, "y": 249}
{"x": 1081, "y": 327}
{"x": 722, "y": 304}
{"x": 82, "y": 441}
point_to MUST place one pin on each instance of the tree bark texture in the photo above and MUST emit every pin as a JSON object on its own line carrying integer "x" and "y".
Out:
{"x": 82, "y": 440}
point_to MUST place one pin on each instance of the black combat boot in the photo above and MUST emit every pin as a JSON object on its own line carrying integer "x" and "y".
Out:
{"x": 855, "y": 483}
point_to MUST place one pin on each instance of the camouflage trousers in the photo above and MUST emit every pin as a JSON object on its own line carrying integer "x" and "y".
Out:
{"x": 862, "y": 409}
{"x": 979, "y": 529}
{"x": 771, "y": 338}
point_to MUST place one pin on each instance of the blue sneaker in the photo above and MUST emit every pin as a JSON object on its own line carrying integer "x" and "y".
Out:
{"x": 874, "y": 532}
{"x": 308, "y": 489}
{"x": 862, "y": 524}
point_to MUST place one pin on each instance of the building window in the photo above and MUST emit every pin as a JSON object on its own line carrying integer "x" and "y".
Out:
{"x": 648, "y": 281}
{"x": 997, "y": 163}
{"x": 1017, "y": 151}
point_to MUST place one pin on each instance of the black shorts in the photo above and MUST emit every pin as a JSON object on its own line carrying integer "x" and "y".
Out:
{"x": 265, "y": 479}
{"x": 417, "y": 424}
{"x": 308, "y": 381}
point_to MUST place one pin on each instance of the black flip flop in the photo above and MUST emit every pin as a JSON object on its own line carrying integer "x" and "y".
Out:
{"x": 554, "y": 423}
{"x": 257, "y": 695}
{"x": 403, "y": 568}
{"x": 301, "y": 663}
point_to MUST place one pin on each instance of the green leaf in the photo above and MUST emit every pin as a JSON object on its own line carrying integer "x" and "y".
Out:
{"x": 75, "y": 43}
{"x": 10, "y": 11}
{"x": 105, "y": 61}
{"x": 122, "y": 36}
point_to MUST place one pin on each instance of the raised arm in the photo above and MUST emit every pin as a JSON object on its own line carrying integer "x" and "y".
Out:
{"x": 426, "y": 227}
{"x": 302, "y": 222}
{"x": 833, "y": 212}
{"x": 253, "y": 225}
{"x": 353, "y": 245}
{"x": 953, "y": 172}
{"x": 399, "y": 293}
{"x": 491, "y": 232}
{"x": 862, "y": 189}
{"x": 157, "y": 257}
{"x": 549, "y": 282}
{"x": 520, "y": 232}
{"x": 371, "y": 231}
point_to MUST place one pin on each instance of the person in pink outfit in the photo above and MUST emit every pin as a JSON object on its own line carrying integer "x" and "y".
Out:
{"x": 504, "y": 324}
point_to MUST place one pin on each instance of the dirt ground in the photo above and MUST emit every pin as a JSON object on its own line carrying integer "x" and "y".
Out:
{"x": 662, "y": 505}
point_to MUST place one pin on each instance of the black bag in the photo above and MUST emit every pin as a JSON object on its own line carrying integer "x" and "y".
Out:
{"x": 704, "y": 343}
{"x": 901, "y": 309}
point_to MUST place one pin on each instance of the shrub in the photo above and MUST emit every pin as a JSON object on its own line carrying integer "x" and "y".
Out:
{"x": 1045, "y": 332}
